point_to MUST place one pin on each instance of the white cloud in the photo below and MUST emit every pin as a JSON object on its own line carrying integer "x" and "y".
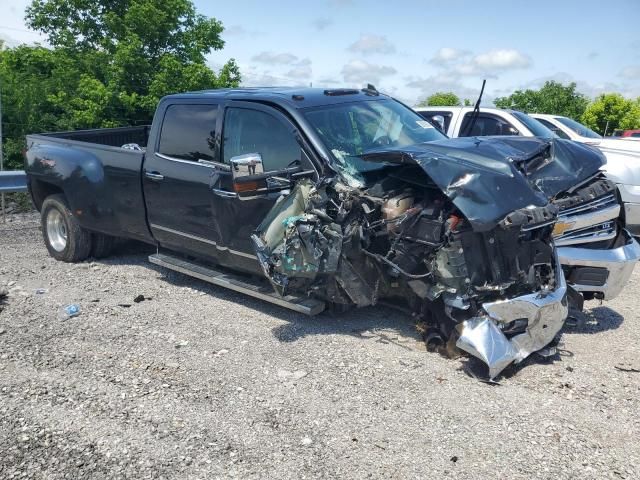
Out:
{"x": 488, "y": 64}
{"x": 447, "y": 55}
{"x": 446, "y": 82}
{"x": 368, "y": 44}
{"x": 300, "y": 72}
{"x": 502, "y": 59}
{"x": 240, "y": 31}
{"x": 359, "y": 71}
{"x": 275, "y": 58}
{"x": 631, "y": 72}
{"x": 322, "y": 23}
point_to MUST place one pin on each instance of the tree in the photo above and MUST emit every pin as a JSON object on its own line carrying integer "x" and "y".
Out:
{"x": 139, "y": 50}
{"x": 553, "y": 98}
{"x": 441, "y": 99}
{"x": 110, "y": 63}
{"x": 610, "y": 111}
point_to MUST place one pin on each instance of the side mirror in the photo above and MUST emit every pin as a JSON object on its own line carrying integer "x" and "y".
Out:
{"x": 439, "y": 122}
{"x": 246, "y": 165}
{"x": 247, "y": 172}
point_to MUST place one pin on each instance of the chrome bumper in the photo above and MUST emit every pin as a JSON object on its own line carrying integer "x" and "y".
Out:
{"x": 618, "y": 261}
{"x": 546, "y": 312}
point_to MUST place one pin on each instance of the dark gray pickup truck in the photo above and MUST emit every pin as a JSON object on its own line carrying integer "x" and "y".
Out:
{"x": 311, "y": 198}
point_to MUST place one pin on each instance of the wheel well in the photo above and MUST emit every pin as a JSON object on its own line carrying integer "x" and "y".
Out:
{"x": 41, "y": 190}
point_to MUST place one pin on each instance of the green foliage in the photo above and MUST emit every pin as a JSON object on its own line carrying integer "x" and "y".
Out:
{"x": 441, "y": 99}
{"x": 553, "y": 98}
{"x": 111, "y": 61}
{"x": 611, "y": 111}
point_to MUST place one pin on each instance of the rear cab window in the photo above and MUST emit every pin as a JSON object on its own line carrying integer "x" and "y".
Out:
{"x": 484, "y": 125}
{"x": 189, "y": 132}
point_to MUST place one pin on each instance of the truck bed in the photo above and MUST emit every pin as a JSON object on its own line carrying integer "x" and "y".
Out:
{"x": 112, "y": 137}
{"x": 101, "y": 180}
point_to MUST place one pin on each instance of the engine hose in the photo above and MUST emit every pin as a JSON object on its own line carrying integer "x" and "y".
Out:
{"x": 394, "y": 266}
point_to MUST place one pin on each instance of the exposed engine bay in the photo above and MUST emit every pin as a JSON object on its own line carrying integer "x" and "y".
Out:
{"x": 402, "y": 240}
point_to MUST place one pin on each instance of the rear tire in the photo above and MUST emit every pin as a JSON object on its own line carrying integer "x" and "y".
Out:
{"x": 101, "y": 245}
{"x": 65, "y": 239}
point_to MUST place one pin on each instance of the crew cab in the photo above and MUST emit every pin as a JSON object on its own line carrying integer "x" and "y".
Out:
{"x": 311, "y": 198}
{"x": 595, "y": 247}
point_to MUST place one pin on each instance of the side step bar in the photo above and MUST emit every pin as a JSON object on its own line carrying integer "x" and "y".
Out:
{"x": 308, "y": 306}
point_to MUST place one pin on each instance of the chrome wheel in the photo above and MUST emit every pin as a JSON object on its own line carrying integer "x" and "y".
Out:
{"x": 56, "y": 230}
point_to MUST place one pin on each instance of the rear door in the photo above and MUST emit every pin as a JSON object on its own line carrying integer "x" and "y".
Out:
{"x": 251, "y": 128}
{"x": 177, "y": 177}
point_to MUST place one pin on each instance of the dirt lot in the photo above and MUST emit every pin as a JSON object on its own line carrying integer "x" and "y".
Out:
{"x": 199, "y": 382}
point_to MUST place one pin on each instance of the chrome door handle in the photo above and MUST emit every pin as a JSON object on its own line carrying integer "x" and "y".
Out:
{"x": 154, "y": 176}
{"x": 224, "y": 193}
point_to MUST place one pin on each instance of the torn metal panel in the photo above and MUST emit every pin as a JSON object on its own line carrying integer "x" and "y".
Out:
{"x": 544, "y": 313}
{"x": 481, "y": 337}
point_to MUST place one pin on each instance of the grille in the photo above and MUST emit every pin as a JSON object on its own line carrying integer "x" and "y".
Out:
{"x": 593, "y": 205}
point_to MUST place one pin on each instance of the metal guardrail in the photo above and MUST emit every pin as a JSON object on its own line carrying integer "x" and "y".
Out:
{"x": 13, "y": 181}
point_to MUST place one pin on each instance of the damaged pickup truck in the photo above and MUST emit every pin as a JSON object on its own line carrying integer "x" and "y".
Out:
{"x": 336, "y": 198}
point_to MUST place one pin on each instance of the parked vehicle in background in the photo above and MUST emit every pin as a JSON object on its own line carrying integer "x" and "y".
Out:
{"x": 566, "y": 127}
{"x": 590, "y": 232}
{"x": 618, "y": 133}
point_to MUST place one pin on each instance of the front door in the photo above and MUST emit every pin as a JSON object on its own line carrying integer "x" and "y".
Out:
{"x": 177, "y": 179}
{"x": 252, "y": 129}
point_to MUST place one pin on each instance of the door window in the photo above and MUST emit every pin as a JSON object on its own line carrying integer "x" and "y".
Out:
{"x": 553, "y": 128}
{"x": 253, "y": 131}
{"x": 189, "y": 132}
{"x": 486, "y": 124}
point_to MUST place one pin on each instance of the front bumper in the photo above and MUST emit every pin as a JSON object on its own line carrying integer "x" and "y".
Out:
{"x": 619, "y": 263}
{"x": 482, "y": 336}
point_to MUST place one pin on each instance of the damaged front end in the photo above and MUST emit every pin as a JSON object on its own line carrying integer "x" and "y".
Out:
{"x": 465, "y": 244}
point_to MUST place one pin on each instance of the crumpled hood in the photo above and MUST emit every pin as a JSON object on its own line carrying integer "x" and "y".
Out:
{"x": 487, "y": 178}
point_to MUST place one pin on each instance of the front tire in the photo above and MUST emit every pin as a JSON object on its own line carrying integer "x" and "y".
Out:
{"x": 65, "y": 239}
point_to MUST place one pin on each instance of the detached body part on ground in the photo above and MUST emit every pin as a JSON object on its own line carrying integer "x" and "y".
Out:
{"x": 597, "y": 218}
{"x": 343, "y": 196}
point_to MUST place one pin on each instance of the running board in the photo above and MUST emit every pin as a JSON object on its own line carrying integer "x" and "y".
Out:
{"x": 308, "y": 306}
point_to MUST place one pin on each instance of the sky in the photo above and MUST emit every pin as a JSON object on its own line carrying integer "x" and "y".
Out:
{"x": 410, "y": 49}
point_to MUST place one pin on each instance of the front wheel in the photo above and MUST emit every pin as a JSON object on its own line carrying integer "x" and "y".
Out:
{"x": 65, "y": 239}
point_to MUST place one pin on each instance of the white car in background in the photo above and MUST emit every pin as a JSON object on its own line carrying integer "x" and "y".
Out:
{"x": 568, "y": 128}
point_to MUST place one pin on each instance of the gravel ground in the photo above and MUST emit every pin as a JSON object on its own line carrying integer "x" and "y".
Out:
{"x": 199, "y": 382}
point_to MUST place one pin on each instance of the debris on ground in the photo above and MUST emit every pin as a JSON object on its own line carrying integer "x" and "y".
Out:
{"x": 70, "y": 311}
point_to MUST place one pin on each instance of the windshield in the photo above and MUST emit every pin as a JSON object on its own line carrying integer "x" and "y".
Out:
{"x": 537, "y": 128}
{"x": 352, "y": 129}
{"x": 578, "y": 127}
